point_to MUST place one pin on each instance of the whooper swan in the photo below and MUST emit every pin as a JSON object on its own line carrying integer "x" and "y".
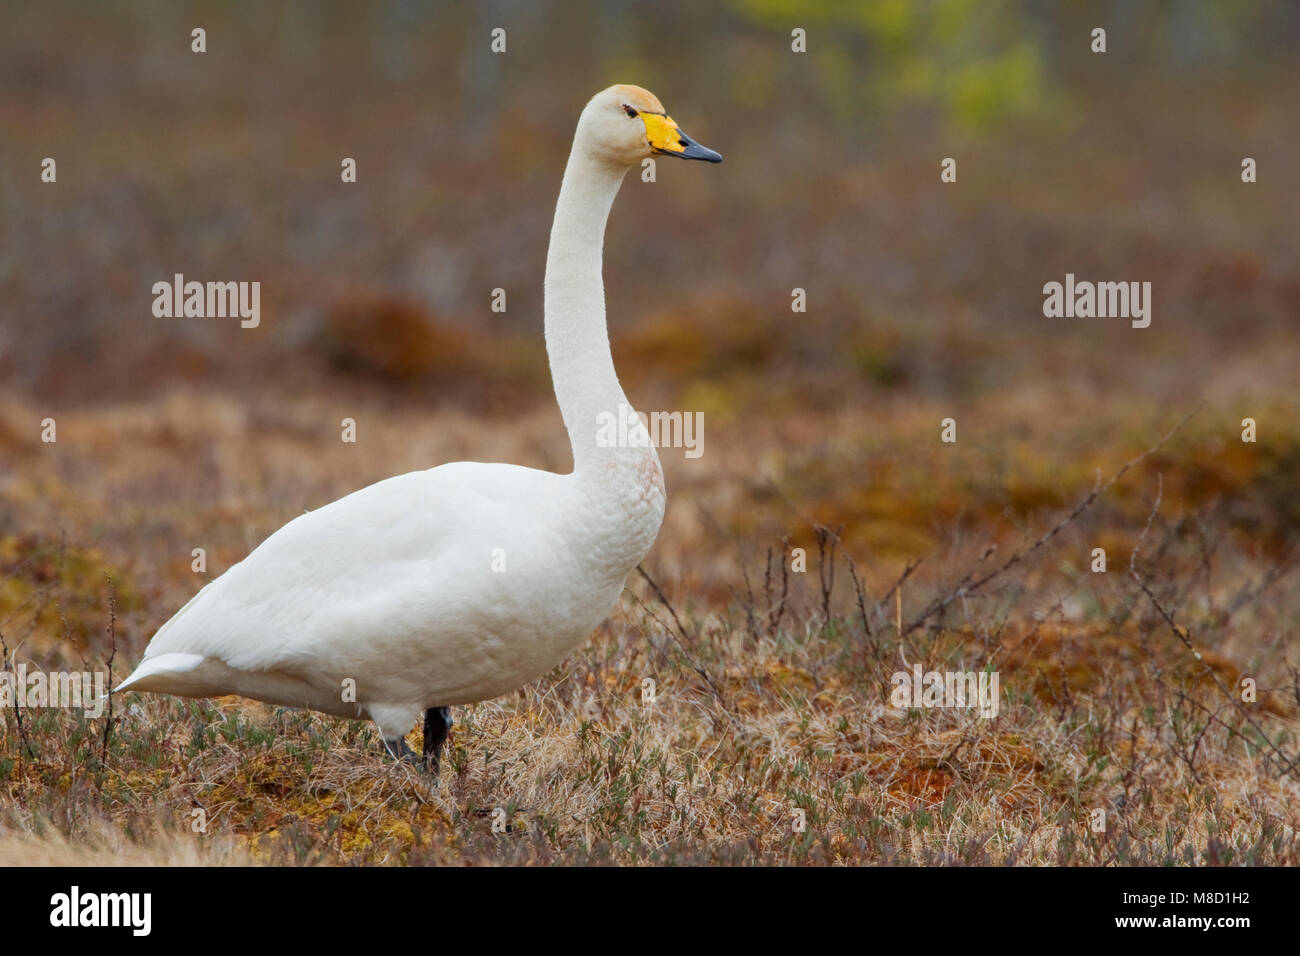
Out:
{"x": 460, "y": 583}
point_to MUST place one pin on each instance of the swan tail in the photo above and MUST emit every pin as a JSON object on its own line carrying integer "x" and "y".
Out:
{"x": 163, "y": 673}
{"x": 194, "y": 675}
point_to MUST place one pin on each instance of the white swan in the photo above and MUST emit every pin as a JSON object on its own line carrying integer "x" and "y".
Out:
{"x": 459, "y": 583}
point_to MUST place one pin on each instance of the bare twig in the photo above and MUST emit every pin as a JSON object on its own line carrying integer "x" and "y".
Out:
{"x": 18, "y": 710}
{"x": 861, "y": 594}
{"x": 112, "y": 653}
{"x": 775, "y": 613}
{"x": 684, "y": 639}
{"x": 827, "y": 539}
{"x": 896, "y": 588}
{"x": 1288, "y": 764}
{"x": 938, "y": 605}
{"x": 1249, "y": 593}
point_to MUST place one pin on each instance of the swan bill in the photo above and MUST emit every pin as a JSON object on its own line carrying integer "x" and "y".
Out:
{"x": 667, "y": 139}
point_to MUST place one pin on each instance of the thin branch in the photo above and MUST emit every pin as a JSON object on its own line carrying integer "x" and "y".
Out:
{"x": 717, "y": 691}
{"x": 938, "y": 605}
{"x": 112, "y": 636}
{"x": 1288, "y": 764}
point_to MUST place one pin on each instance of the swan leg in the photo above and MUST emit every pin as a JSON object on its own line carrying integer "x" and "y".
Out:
{"x": 437, "y": 724}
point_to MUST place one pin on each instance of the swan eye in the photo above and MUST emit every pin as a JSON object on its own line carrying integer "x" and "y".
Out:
{"x": 631, "y": 113}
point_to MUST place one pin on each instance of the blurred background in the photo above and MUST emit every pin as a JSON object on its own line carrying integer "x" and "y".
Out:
{"x": 924, "y": 298}
{"x": 182, "y": 443}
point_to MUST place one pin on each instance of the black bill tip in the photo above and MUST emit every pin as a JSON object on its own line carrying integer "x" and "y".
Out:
{"x": 693, "y": 150}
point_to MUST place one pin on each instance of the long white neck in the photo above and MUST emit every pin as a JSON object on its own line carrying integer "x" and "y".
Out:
{"x": 577, "y": 340}
{"x": 618, "y": 486}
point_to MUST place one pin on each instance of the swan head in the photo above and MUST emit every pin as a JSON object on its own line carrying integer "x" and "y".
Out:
{"x": 625, "y": 124}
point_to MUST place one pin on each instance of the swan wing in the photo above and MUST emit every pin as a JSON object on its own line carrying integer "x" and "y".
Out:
{"x": 357, "y": 588}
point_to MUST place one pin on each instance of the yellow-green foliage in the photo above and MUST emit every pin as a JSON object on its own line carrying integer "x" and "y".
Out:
{"x": 58, "y": 593}
{"x": 960, "y": 54}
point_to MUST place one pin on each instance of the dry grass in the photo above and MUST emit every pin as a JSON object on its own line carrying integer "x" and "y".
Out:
{"x": 772, "y": 687}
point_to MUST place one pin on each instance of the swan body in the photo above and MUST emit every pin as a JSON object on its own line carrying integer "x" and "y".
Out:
{"x": 463, "y": 582}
